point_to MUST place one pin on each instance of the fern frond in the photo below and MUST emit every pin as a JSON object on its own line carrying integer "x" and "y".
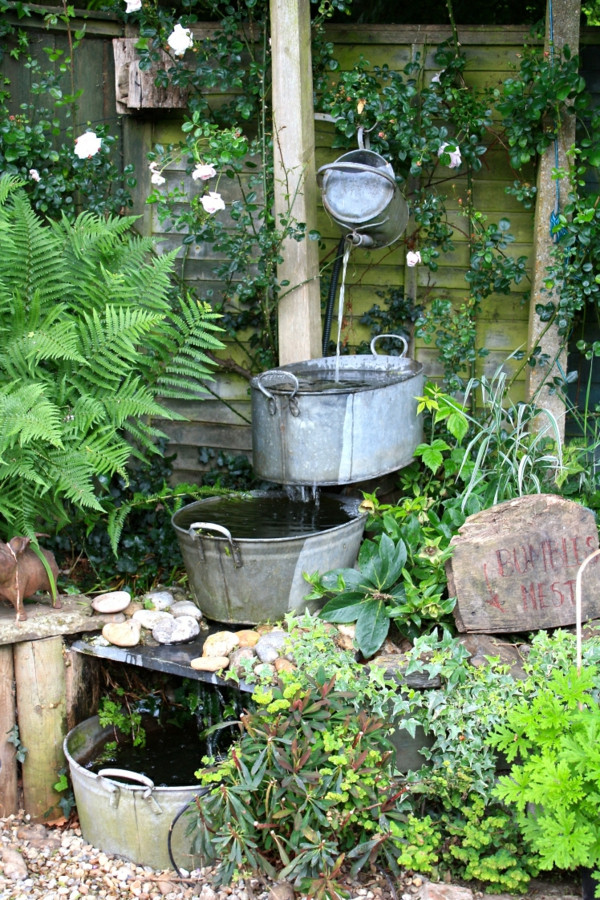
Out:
{"x": 109, "y": 345}
{"x": 134, "y": 400}
{"x": 26, "y": 415}
{"x": 20, "y": 509}
{"x": 30, "y": 260}
{"x": 72, "y": 475}
{"x": 9, "y": 184}
{"x": 189, "y": 367}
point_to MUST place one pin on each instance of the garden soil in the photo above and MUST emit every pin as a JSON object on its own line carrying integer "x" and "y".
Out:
{"x": 39, "y": 862}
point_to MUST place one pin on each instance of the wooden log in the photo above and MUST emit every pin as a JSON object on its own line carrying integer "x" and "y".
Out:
{"x": 9, "y": 797}
{"x": 41, "y": 692}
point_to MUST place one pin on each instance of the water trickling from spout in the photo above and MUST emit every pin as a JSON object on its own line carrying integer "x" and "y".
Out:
{"x": 347, "y": 250}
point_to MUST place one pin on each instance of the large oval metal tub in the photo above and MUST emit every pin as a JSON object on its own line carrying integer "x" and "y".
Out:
{"x": 311, "y": 427}
{"x": 237, "y": 578}
{"x": 128, "y": 819}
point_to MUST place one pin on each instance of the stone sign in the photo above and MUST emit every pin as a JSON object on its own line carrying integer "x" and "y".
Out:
{"x": 514, "y": 566}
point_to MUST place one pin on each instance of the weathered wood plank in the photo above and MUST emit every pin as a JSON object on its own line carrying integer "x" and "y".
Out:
{"x": 40, "y": 680}
{"x": 514, "y": 566}
{"x": 135, "y": 88}
{"x": 211, "y": 435}
{"x": 82, "y": 687}
{"x": 9, "y": 798}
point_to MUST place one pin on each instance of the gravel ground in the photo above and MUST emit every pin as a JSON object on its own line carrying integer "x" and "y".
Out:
{"x": 39, "y": 862}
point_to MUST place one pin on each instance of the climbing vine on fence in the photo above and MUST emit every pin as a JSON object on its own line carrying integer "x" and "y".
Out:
{"x": 430, "y": 129}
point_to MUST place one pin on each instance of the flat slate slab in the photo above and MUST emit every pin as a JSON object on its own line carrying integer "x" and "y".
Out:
{"x": 76, "y": 616}
{"x": 514, "y": 566}
{"x": 172, "y": 658}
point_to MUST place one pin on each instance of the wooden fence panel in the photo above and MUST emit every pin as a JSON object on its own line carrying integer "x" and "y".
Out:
{"x": 492, "y": 55}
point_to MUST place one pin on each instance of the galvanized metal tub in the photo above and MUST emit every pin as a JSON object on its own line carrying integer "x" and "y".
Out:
{"x": 310, "y": 428}
{"x": 127, "y": 819}
{"x": 247, "y": 580}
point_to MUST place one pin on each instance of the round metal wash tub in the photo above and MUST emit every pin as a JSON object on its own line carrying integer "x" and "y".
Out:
{"x": 249, "y": 580}
{"x": 336, "y": 420}
{"x": 128, "y": 819}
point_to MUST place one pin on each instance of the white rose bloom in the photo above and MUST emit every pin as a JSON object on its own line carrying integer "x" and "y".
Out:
{"x": 212, "y": 202}
{"x": 180, "y": 40}
{"x": 34, "y": 174}
{"x": 157, "y": 178}
{"x": 413, "y": 258}
{"x": 455, "y": 157}
{"x": 133, "y": 5}
{"x": 87, "y": 145}
{"x": 204, "y": 172}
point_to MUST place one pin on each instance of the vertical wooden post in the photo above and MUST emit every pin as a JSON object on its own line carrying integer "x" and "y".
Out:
{"x": 565, "y": 27}
{"x": 40, "y": 679}
{"x": 9, "y": 800}
{"x": 295, "y": 184}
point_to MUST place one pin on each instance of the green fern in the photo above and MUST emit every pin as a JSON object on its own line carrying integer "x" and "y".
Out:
{"x": 89, "y": 346}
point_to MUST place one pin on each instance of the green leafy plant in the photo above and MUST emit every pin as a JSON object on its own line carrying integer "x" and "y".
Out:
{"x": 142, "y": 505}
{"x": 63, "y": 787}
{"x": 90, "y": 341}
{"x": 37, "y": 139}
{"x": 308, "y": 785}
{"x": 123, "y": 716}
{"x": 554, "y": 739}
{"x": 370, "y": 595}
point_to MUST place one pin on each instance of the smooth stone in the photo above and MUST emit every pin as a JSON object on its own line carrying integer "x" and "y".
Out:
{"x": 264, "y": 670}
{"x": 111, "y": 602}
{"x": 133, "y": 607}
{"x": 239, "y": 657}
{"x": 185, "y": 608}
{"x": 344, "y": 642}
{"x": 270, "y": 645}
{"x": 148, "y": 618}
{"x": 209, "y": 663}
{"x": 14, "y": 865}
{"x": 248, "y": 637}
{"x": 159, "y": 599}
{"x": 221, "y": 643}
{"x": 176, "y": 630}
{"x": 281, "y": 664}
{"x": 122, "y": 634}
{"x": 349, "y": 630}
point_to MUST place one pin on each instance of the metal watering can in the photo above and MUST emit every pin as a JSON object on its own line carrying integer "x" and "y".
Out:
{"x": 360, "y": 194}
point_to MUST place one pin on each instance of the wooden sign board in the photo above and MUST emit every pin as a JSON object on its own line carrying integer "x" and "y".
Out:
{"x": 514, "y": 566}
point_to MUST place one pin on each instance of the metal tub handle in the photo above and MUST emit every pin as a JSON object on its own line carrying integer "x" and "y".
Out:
{"x": 272, "y": 379}
{"x": 236, "y": 553}
{"x": 114, "y": 789}
{"x": 398, "y": 337}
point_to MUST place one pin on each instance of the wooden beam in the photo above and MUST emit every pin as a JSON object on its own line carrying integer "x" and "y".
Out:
{"x": 563, "y": 15}
{"x": 295, "y": 182}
